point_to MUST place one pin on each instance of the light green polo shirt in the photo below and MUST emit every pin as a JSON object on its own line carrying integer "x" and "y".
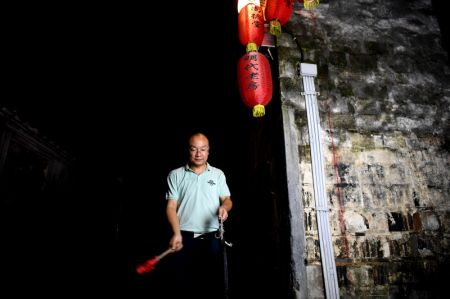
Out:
{"x": 198, "y": 197}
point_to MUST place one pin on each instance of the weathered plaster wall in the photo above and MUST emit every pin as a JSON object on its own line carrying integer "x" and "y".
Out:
{"x": 384, "y": 84}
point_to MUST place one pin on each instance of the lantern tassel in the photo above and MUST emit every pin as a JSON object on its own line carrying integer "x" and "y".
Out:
{"x": 275, "y": 27}
{"x": 251, "y": 47}
{"x": 310, "y": 4}
{"x": 259, "y": 111}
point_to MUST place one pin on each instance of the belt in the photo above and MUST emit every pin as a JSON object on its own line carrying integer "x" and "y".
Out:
{"x": 200, "y": 236}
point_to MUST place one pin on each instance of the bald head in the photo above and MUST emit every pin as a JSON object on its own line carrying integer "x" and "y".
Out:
{"x": 198, "y": 137}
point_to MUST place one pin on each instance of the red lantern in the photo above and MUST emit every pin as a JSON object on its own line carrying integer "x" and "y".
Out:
{"x": 251, "y": 27}
{"x": 278, "y": 12}
{"x": 262, "y": 4}
{"x": 242, "y": 3}
{"x": 255, "y": 82}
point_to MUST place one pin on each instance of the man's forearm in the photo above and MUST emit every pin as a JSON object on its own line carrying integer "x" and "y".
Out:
{"x": 227, "y": 204}
{"x": 173, "y": 219}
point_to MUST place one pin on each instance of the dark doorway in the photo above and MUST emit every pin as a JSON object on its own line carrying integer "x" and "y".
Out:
{"x": 249, "y": 150}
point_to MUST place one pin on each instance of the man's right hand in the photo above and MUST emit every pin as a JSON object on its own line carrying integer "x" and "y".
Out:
{"x": 176, "y": 243}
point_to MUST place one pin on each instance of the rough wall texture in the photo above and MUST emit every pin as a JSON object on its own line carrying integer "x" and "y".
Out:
{"x": 384, "y": 101}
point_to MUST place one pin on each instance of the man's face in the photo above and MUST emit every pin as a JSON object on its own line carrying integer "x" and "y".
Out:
{"x": 198, "y": 150}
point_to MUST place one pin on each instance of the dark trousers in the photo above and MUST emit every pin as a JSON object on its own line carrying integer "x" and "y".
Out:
{"x": 198, "y": 268}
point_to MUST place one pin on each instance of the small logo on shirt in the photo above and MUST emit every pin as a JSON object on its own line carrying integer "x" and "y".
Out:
{"x": 211, "y": 182}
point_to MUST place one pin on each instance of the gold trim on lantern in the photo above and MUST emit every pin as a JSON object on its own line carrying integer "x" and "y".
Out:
{"x": 258, "y": 110}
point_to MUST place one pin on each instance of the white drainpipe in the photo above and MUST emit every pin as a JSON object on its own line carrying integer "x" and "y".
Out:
{"x": 308, "y": 72}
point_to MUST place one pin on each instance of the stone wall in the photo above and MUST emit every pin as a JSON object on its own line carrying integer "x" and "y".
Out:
{"x": 384, "y": 84}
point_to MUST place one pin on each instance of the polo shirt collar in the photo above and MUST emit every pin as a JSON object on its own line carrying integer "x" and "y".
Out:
{"x": 187, "y": 168}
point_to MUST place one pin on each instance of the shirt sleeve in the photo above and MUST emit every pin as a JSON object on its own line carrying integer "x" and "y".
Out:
{"x": 223, "y": 187}
{"x": 172, "y": 189}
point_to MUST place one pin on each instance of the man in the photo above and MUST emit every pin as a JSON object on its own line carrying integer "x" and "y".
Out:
{"x": 198, "y": 198}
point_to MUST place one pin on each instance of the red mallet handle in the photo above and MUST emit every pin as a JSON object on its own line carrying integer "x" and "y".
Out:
{"x": 149, "y": 265}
